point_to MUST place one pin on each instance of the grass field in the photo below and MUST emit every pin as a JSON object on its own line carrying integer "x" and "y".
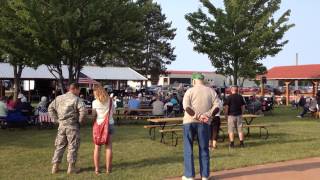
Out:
{"x": 26, "y": 154}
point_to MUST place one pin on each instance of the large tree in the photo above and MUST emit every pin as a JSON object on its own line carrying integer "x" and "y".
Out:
{"x": 17, "y": 45}
{"x": 152, "y": 51}
{"x": 79, "y": 32}
{"x": 237, "y": 37}
{"x": 156, "y": 52}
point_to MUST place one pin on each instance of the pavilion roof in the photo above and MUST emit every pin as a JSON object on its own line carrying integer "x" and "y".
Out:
{"x": 303, "y": 72}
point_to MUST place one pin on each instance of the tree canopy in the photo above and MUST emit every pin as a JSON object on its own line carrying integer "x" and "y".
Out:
{"x": 237, "y": 37}
{"x": 17, "y": 45}
{"x": 156, "y": 51}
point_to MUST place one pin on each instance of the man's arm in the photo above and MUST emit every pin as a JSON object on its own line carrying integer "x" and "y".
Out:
{"x": 243, "y": 108}
{"x": 187, "y": 106}
{"x": 52, "y": 110}
{"x": 82, "y": 111}
{"x": 215, "y": 105}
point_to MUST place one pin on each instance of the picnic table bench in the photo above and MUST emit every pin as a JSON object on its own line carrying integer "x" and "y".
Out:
{"x": 175, "y": 137}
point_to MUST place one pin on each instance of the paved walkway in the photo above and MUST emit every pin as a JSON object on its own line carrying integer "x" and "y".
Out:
{"x": 306, "y": 169}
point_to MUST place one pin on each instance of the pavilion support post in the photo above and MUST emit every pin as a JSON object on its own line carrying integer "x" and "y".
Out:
{"x": 287, "y": 83}
{"x": 1, "y": 89}
{"x": 29, "y": 92}
{"x": 118, "y": 85}
{"x": 315, "y": 85}
{"x": 262, "y": 88}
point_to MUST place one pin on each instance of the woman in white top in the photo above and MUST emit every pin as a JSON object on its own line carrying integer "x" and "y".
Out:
{"x": 100, "y": 108}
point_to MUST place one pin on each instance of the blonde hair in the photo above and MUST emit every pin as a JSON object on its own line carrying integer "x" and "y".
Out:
{"x": 100, "y": 94}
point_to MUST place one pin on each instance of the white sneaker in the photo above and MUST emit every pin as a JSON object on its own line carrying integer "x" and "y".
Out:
{"x": 186, "y": 178}
{"x": 299, "y": 116}
{"x": 204, "y": 178}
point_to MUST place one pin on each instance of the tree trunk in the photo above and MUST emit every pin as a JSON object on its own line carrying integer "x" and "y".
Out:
{"x": 17, "y": 71}
{"x": 235, "y": 79}
{"x": 71, "y": 73}
{"x": 235, "y": 72}
{"x": 242, "y": 82}
{"x": 61, "y": 84}
{"x": 57, "y": 69}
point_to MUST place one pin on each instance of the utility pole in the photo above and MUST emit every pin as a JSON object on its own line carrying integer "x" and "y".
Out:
{"x": 296, "y": 82}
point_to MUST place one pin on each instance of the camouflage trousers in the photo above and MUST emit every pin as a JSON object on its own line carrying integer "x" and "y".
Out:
{"x": 66, "y": 137}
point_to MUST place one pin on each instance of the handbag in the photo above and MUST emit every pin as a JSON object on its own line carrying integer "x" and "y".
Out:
{"x": 101, "y": 132}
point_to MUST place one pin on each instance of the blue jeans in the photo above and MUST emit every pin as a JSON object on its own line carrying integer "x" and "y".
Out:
{"x": 190, "y": 131}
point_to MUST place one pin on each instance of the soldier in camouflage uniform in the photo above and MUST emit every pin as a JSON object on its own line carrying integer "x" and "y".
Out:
{"x": 69, "y": 111}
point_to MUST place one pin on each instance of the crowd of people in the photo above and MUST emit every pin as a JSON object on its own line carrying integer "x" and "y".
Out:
{"x": 202, "y": 107}
{"x": 307, "y": 104}
{"x": 19, "y": 112}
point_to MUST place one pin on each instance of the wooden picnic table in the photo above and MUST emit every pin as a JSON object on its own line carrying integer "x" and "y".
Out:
{"x": 137, "y": 110}
{"x": 248, "y": 119}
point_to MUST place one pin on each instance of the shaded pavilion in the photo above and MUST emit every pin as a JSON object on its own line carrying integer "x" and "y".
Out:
{"x": 289, "y": 74}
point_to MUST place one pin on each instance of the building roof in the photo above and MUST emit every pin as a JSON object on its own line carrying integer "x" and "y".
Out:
{"x": 188, "y": 72}
{"x": 310, "y": 71}
{"x": 93, "y": 72}
{"x": 112, "y": 73}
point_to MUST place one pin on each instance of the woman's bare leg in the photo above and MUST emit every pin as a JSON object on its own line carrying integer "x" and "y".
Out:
{"x": 96, "y": 157}
{"x": 109, "y": 155}
{"x": 214, "y": 144}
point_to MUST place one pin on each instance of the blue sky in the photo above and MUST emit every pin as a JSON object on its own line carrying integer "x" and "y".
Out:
{"x": 304, "y": 38}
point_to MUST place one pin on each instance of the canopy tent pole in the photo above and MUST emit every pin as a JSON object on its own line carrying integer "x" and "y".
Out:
{"x": 287, "y": 83}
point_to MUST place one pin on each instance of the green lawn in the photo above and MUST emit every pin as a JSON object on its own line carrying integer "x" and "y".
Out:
{"x": 26, "y": 154}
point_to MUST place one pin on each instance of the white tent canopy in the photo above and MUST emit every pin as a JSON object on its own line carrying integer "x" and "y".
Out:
{"x": 94, "y": 72}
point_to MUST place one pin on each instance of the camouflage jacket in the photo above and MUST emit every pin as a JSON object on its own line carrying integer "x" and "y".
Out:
{"x": 68, "y": 110}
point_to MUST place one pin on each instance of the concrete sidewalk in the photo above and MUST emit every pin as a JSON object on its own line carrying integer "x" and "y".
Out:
{"x": 306, "y": 169}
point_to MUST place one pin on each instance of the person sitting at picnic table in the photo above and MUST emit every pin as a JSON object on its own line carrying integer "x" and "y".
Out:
{"x": 176, "y": 104}
{"x": 296, "y": 99}
{"x": 255, "y": 105}
{"x": 310, "y": 106}
{"x": 42, "y": 107}
{"x": 234, "y": 108}
{"x": 24, "y": 106}
{"x": 3, "y": 108}
{"x": 153, "y": 99}
{"x": 200, "y": 104}
{"x": 116, "y": 101}
{"x": 11, "y": 103}
{"x": 103, "y": 111}
{"x": 173, "y": 100}
{"x": 157, "y": 107}
{"x": 168, "y": 108}
{"x": 133, "y": 103}
{"x": 302, "y": 101}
